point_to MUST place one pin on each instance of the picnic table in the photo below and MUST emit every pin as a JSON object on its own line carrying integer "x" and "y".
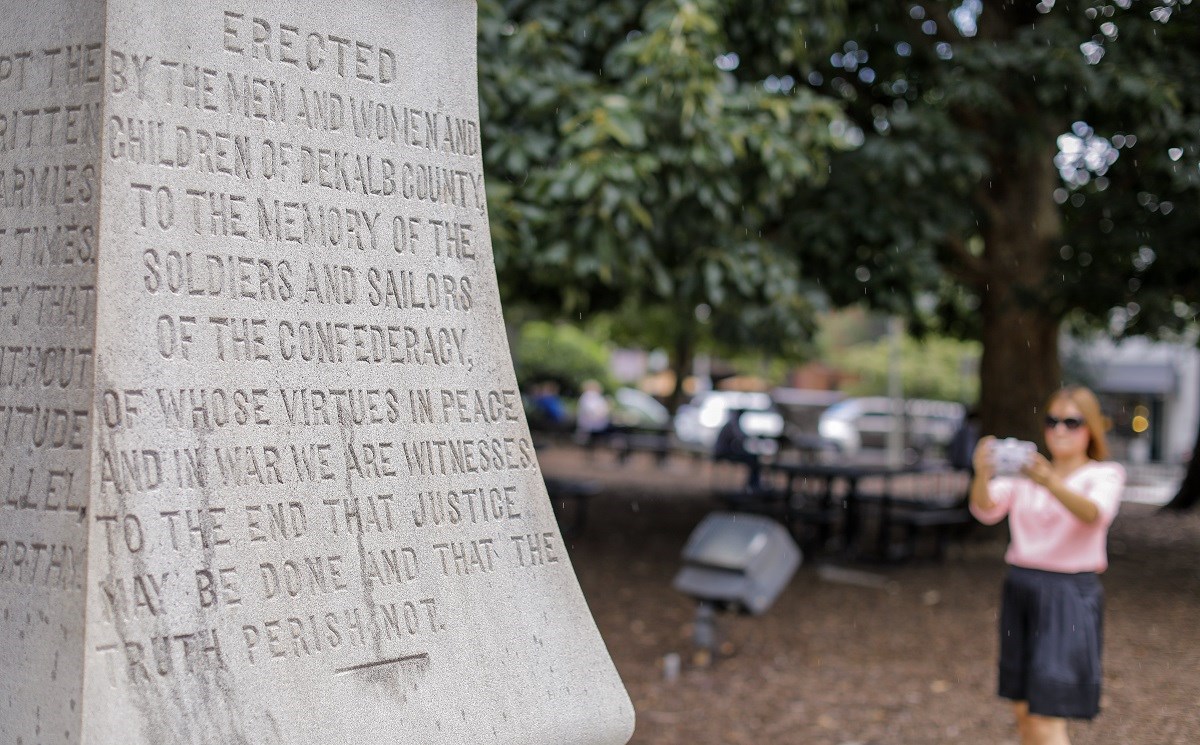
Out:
{"x": 828, "y": 493}
{"x": 626, "y": 440}
{"x": 576, "y": 492}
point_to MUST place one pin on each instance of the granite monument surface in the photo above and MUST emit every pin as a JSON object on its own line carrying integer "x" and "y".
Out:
{"x": 265, "y": 475}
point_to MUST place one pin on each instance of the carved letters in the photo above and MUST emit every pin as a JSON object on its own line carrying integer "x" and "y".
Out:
{"x": 258, "y": 424}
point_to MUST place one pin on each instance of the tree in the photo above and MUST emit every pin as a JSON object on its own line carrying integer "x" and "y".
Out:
{"x": 635, "y": 157}
{"x": 931, "y": 368}
{"x": 1006, "y": 169}
{"x": 561, "y": 354}
{"x": 1026, "y": 165}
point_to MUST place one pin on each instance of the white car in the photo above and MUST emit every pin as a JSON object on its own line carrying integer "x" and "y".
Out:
{"x": 861, "y": 423}
{"x": 698, "y": 422}
{"x": 636, "y": 408}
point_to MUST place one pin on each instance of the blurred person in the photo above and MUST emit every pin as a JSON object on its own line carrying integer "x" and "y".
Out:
{"x": 548, "y": 409}
{"x": 962, "y": 444}
{"x": 732, "y": 444}
{"x": 1051, "y": 620}
{"x": 593, "y": 415}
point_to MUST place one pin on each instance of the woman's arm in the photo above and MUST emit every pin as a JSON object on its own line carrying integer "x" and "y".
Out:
{"x": 990, "y": 499}
{"x": 1040, "y": 470}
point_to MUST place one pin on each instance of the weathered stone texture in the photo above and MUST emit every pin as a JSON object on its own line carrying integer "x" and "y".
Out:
{"x": 265, "y": 474}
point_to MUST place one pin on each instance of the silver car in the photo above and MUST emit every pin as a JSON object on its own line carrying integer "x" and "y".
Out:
{"x": 857, "y": 424}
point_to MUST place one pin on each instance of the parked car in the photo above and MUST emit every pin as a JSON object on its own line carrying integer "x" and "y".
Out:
{"x": 698, "y": 422}
{"x": 857, "y": 424}
{"x": 639, "y": 410}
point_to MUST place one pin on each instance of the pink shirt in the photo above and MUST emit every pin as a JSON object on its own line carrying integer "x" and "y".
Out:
{"x": 1045, "y": 535}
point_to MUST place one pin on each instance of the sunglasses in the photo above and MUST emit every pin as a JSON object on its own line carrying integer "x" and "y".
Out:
{"x": 1070, "y": 422}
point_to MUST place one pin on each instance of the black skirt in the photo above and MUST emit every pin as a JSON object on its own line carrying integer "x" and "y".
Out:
{"x": 1051, "y": 634}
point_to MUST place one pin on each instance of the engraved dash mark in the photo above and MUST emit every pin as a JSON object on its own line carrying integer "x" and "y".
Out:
{"x": 378, "y": 663}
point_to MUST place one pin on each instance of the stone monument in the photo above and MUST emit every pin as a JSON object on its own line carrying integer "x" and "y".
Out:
{"x": 265, "y": 476}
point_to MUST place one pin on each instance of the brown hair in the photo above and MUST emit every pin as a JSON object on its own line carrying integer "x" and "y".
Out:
{"x": 1093, "y": 418}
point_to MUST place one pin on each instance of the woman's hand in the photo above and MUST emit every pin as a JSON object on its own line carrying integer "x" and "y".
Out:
{"x": 981, "y": 460}
{"x": 1040, "y": 471}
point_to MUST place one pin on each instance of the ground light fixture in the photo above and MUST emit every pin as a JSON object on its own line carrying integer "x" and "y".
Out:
{"x": 734, "y": 561}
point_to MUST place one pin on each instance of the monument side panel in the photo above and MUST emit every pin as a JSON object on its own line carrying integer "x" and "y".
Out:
{"x": 51, "y": 62}
{"x": 317, "y": 515}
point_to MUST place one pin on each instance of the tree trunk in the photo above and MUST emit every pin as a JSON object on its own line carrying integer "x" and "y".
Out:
{"x": 681, "y": 365}
{"x": 1020, "y": 367}
{"x": 1188, "y": 495}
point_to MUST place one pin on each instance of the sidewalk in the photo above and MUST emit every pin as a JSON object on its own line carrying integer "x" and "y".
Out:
{"x": 1151, "y": 483}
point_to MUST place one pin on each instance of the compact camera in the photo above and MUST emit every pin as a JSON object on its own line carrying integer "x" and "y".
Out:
{"x": 1010, "y": 455}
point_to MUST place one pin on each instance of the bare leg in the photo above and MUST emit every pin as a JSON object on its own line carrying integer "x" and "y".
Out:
{"x": 1021, "y": 709}
{"x": 1039, "y": 730}
{"x": 1048, "y": 730}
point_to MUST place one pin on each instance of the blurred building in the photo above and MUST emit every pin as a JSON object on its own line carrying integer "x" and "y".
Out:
{"x": 820, "y": 376}
{"x": 1150, "y": 389}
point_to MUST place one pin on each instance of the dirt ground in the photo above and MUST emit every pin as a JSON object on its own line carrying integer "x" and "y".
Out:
{"x": 840, "y": 664}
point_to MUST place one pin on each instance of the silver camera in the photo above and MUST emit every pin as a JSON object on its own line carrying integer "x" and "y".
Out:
{"x": 1010, "y": 455}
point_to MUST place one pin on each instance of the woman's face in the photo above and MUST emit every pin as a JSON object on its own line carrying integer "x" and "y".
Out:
{"x": 1067, "y": 435}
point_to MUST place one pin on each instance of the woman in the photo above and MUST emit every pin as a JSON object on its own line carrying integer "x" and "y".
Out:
{"x": 1051, "y": 621}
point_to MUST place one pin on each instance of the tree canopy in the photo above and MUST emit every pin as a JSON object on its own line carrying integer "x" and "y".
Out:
{"x": 991, "y": 170}
{"x": 1024, "y": 165}
{"x": 636, "y": 157}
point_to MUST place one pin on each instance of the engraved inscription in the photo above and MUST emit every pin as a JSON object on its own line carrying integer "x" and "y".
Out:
{"x": 265, "y": 474}
{"x": 314, "y": 237}
{"x": 51, "y": 79}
